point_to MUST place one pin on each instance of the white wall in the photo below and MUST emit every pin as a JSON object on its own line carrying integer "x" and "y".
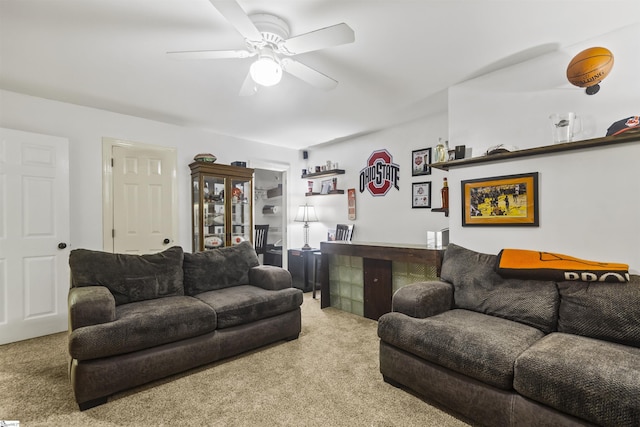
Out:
{"x": 85, "y": 128}
{"x": 388, "y": 218}
{"x": 589, "y": 199}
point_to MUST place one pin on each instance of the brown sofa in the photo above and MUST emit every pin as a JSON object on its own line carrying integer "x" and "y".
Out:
{"x": 509, "y": 352}
{"x": 138, "y": 318}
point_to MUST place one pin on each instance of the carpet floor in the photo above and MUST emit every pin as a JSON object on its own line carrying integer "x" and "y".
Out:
{"x": 328, "y": 377}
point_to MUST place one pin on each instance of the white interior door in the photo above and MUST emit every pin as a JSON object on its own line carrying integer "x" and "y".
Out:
{"x": 34, "y": 234}
{"x": 144, "y": 207}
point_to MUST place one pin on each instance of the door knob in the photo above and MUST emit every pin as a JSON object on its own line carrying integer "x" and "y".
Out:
{"x": 62, "y": 245}
{"x": 166, "y": 241}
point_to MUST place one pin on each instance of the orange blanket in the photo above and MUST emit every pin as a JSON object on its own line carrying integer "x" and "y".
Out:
{"x": 525, "y": 264}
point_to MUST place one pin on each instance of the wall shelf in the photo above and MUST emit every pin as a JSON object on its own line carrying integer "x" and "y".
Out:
{"x": 445, "y": 210}
{"x": 541, "y": 151}
{"x": 331, "y": 172}
{"x": 325, "y": 194}
{"x": 274, "y": 192}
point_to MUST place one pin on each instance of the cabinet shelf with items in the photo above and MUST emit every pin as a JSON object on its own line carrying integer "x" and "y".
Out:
{"x": 221, "y": 205}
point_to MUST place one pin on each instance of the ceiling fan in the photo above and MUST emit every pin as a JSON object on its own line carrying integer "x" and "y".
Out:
{"x": 267, "y": 37}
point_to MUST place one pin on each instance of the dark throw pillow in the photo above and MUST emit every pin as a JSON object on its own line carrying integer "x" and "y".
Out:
{"x": 607, "y": 311}
{"x": 479, "y": 288}
{"x": 218, "y": 268}
{"x": 130, "y": 278}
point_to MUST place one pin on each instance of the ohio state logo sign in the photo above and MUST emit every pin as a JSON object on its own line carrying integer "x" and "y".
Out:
{"x": 380, "y": 174}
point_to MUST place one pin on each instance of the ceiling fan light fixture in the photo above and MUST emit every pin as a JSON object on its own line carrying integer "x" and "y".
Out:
{"x": 266, "y": 71}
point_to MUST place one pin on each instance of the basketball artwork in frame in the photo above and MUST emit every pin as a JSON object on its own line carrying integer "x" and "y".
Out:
{"x": 420, "y": 160}
{"x": 421, "y": 195}
{"x": 510, "y": 200}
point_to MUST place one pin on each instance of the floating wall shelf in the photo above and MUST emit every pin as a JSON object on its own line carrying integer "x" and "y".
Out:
{"x": 541, "y": 151}
{"x": 331, "y": 172}
{"x": 325, "y": 194}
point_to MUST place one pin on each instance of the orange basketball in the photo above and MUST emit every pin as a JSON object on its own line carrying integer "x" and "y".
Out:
{"x": 590, "y": 67}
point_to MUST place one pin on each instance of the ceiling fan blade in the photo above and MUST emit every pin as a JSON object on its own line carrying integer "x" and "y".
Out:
{"x": 210, "y": 54}
{"x": 231, "y": 10}
{"x": 249, "y": 87}
{"x": 308, "y": 74}
{"x": 326, "y": 37}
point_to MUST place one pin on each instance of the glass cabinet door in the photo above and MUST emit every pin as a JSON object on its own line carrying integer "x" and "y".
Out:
{"x": 240, "y": 211}
{"x": 195, "y": 212}
{"x": 213, "y": 213}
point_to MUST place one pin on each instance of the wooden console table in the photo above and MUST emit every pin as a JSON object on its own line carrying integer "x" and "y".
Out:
{"x": 377, "y": 269}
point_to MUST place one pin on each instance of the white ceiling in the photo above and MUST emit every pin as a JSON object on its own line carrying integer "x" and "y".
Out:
{"x": 110, "y": 54}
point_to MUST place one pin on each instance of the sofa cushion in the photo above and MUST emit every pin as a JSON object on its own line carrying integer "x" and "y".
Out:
{"x": 588, "y": 378}
{"x": 477, "y": 345}
{"x": 608, "y": 311}
{"x": 129, "y": 278}
{"x": 218, "y": 268}
{"x": 141, "y": 325}
{"x": 479, "y": 288}
{"x": 245, "y": 304}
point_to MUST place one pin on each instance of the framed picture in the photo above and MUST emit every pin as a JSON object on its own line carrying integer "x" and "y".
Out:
{"x": 510, "y": 200}
{"x": 421, "y": 195}
{"x": 421, "y": 159}
{"x": 327, "y": 186}
{"x": 351, "y": 204}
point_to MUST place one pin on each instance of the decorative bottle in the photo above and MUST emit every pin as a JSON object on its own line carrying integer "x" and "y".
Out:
{"x": 442, "y": 151}
{"x": 445, "y": 194}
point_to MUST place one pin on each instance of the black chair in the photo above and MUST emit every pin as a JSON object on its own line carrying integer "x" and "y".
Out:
{"x": 344, "y": 232}
{"x": 260, "y": 240}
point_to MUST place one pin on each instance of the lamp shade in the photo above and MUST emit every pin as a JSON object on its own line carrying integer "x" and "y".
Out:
{"x": 306, "y": 213}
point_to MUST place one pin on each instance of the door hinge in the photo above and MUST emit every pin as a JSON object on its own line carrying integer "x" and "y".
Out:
{"x": 113, "y": 233}
{"x": 112, "y": 162}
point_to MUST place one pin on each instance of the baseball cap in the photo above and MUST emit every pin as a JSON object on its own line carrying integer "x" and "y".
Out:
{"x": 629, "y": 124}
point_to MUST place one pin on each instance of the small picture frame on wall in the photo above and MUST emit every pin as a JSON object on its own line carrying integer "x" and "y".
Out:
{"x": 351, "y": 204}
{"x": 420, "y": 161}
{"x": 421, "y": 195}
{"x": 327, "y": 186}
{"x": 510, "y": 200}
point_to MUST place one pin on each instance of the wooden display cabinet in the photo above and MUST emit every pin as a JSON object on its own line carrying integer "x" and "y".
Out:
{"x": 222, "y": 210}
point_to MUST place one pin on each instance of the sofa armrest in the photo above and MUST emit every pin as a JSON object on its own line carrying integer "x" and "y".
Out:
{"x": 90, "y": 305}
{"x": 270, "y": 277}
{"x": 423, "y": 299}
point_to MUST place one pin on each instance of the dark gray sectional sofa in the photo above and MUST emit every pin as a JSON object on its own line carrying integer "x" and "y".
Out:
{"x": 137, "y": 318}
{"x": 510, "y": 352}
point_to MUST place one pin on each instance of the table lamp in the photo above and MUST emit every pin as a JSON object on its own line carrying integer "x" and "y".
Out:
{"x": 306, "y": 214}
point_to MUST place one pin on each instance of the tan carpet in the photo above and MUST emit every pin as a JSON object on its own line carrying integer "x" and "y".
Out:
{"x": 327, "y": 377}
